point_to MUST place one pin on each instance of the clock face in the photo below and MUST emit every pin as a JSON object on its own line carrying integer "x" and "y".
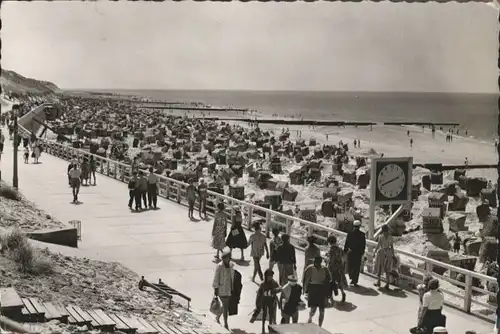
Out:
{"x": 391, "y": 181}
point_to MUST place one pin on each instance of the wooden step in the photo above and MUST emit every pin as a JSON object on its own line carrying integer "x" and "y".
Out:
{"x": 157, "y": 327}
{"x": 169, "y": 328}
{"x": 53, "y": 312}
{"x": 147, "y": 325}
{"x": 63, "y": 312}
{"x": 75, "y": 318}
{"x": 132, "y": 323}
{"x": 88, "y": 319}
{"x": 32, "y": 315}
{"x": 11, "y": 304}
{"x": 141, "y": 329}
{"x": 39, "y": 308}
{"x": 120, "y": 325}
{"x": 103, "y": 321}
{"x": 95, "y": 322}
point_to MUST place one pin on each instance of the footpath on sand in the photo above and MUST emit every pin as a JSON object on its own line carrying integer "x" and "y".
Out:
{"x": 166, "y": 244}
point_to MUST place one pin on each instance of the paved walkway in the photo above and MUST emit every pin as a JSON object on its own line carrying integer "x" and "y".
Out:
{"x": 166, "y": 244}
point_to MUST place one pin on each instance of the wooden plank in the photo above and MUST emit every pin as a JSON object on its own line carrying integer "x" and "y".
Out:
{"x": 9, "y": 299}
{"x": 39, "y": 308}
{"x": 78, "y": 319}
{"x": 96, "y": 321}
{"x": 149, "y": 328}
{"x": 120, "y": 325}
{"x": 86, "y": 317}
{"x": 147, "y": 325}
{"x": 155, "y": 326}
{"x": 29, "y": 307}
{"x": 168, "y": 328}
{"x": 72, "y": 320}
{"x": 107, "y": 321}
{"x": 63, "y": 312}
{"x": 140, "y": 327}
{"x": 127, "y": 322}
{"x": 26, "y": 316}
{"x": 54, "y": 313}
{"x": 181, "y": 329}
{"x": 133, "y": 322}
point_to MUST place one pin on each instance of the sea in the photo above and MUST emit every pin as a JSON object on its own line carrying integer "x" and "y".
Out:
{"x": 476, "y": 113}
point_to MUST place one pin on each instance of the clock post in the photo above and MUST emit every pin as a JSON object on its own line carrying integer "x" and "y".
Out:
{"x": 390, "y": 183}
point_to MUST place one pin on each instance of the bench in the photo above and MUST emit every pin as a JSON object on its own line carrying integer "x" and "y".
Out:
{"x": 101, "y": 320}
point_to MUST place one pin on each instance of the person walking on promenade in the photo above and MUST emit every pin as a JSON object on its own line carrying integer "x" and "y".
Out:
{"x": 290, "y": 300}
{"x": 219, "y": 230}
{"x": 287, "y": 262}
{"x": 85, "y": 172}
{"x": 74, "y": 174}
{"x": 36, "y": 153}
{"x": 143, "y": 190}
{"x": 202, "y": 195}
{"x": 310, "y": 253}
{"x": 152, "y": 189}
{"x": 355, "y": 247}
{"x": 273, "y": 247}
{"x": 191, "y": 198}
{"x": 2, "y": 141}
{"x": 70, "y": 167}
{"x": 316, "y": 284}
{"x": 336, "y": 267}
{"x": 237, "y": 237}
{"x": 223, "y": 284}
{"x": 258, "y": 244}
{"x": 132, "y": 184}
{"x": 93, "y": 169}
{"x": 384, "y": 255}
{"x": 27, "y": 155}
{"x": 266, "y": 300}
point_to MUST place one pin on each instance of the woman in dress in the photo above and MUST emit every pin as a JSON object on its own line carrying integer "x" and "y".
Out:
{"x": 336, "y": 266}
{"x": 237, "y": 237}
{"x": 384, "y": 256}
{"x": 85, "y": 172}
{"x": 219, "y": 230}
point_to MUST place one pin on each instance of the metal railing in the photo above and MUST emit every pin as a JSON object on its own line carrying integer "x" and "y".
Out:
{"x": 417, "y": 266}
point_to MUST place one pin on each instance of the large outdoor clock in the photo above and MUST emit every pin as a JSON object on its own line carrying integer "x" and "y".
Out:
{"x": 391, "y": 181}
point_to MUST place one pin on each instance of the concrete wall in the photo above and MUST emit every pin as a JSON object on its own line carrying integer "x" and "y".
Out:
{"x": 63, "y": 237}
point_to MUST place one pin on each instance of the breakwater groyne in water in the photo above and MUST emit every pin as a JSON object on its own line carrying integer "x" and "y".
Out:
{"x": 439, "y": 167}
{"x": 168, "y": 107}
{"x": 421, "y": 123}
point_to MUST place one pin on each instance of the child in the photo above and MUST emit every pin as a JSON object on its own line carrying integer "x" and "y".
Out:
{"x": 266, "y": 300}
{"x": 258, "y": 244}
{"x": 290, "y": 300}
{"x": 26, "y": 154}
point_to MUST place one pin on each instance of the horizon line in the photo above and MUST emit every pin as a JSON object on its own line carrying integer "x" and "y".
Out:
{"x": 274, "y": 90}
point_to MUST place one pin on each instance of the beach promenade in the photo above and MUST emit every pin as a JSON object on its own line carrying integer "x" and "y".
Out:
{"x": 166, "y": 244}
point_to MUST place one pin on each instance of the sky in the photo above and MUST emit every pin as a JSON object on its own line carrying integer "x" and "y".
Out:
{"x": 253, "y": 46}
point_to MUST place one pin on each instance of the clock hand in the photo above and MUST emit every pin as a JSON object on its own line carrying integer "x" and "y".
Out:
{"x": 391, "y": 180}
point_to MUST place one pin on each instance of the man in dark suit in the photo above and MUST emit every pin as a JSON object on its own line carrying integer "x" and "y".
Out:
{"x": 355, "y": 245}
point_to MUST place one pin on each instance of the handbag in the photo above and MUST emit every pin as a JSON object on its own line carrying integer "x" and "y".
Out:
{"x": 216, "y": 306}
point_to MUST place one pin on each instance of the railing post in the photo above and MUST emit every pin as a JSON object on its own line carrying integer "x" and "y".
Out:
{"x": 268, "y": 223}
{"x": 428, "y": 267}
{"x": 310, "y": 230}
{"x": 179, "y": 188}
{"x": 468, "y": 293}
{"x": 288, "y": 228}
{"x": 116, "y": 171}
{"x": 250, "y": 217}
{"x": 107, "y": 172}
{"x": 167, "y": 190}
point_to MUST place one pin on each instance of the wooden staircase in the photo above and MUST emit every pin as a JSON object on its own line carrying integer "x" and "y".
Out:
{"x": 35, "y": 310}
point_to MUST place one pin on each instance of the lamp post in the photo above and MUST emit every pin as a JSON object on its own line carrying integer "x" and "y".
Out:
{"x": 15, "y": 180}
